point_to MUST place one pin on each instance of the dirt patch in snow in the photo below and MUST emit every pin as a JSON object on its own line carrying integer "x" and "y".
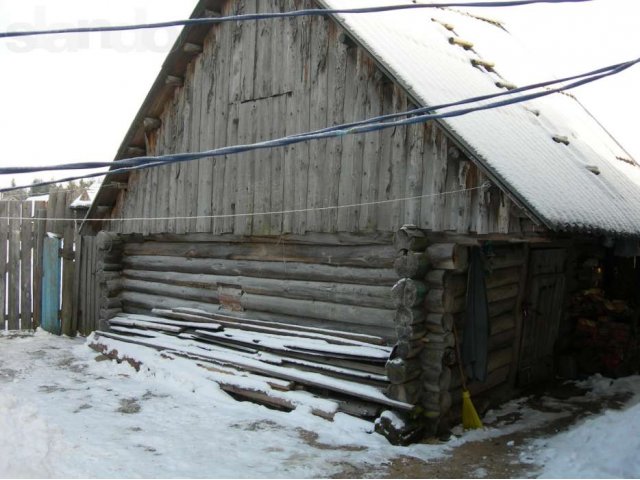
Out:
{"x": 499, "y": 457}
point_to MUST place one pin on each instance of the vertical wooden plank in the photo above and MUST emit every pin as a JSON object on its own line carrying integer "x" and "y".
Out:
{"x": 413, "y": 186}
{"x": 336, "y": 80}
{"x": 206, "y": 132}
{"x": 249, "y": 45}
{"x": 438, "y": 179}
{"x": 277, "y": 129}
{"x": 398, "y": 161}
{"x": 246, "y": 170}
{"x": 26, "y": 244}
{"x": 317, "y": 120}
{"x": 51, "y": 211}
{"x": 293, "y": 61}
{"x": 40, "y": 227}
{"x": 60, "y": 212}
{"x": 262, "y": 161}
{"x": 263, "y": 71}
{"x": 367, "y": 219}
{"x": 183, "y": 140}
{"x": 51, "y": 286}
{"x": 69, "y": 327}
{"x": 192, "y": 144}
{"x": 233, "y": 36}
{"x": 385, "y": 165}
{"x": 466, "y": 180}
{"x": 13, "y": 290}
{"x": 4, "y": 239}
{"x": 174, "y": 111}
{"x": 77, "y": 284}
{"x": 217, "y": 101}
{"x": 350, "y": 187}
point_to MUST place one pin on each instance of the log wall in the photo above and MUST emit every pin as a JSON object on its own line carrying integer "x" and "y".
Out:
{"x": 342, "y": 287}
{"x": 267, "y": 79}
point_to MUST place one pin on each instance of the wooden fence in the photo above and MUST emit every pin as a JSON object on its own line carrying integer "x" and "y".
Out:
{"x": 26, "y": 232}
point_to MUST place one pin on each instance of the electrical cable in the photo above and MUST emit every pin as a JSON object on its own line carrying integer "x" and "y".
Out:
{"x": 148, "y": 162}
{"x": 277, "y": 15}
{"x": 342, "y": 129}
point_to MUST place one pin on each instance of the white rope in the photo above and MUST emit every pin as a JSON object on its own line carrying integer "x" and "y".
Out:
{"x": 256, "y": 214}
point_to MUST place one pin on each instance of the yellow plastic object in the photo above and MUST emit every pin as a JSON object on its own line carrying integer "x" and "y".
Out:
{"x": 470, "y": 418}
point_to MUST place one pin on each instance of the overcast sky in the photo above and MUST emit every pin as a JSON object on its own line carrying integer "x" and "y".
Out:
{"x": 72, "y": 98}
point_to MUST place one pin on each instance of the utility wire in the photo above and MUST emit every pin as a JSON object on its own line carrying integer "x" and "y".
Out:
{"x": 148, "y": 162}
{"x": 423, "y": 114}
{"x": 276, "y": 15}
{"x": 262, "y": 214}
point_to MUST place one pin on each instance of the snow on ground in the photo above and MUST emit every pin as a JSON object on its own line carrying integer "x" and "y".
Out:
{"x": 604, "y": 446}
{"x": 63, "y": 414}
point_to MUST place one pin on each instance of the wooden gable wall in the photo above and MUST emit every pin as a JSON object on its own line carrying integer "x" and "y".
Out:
{"x": 260, "y": 80}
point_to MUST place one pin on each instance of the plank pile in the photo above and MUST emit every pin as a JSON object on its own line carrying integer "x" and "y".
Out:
{"x": 326, "y": 370}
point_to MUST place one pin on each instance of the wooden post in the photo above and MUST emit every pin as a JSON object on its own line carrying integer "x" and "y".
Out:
{"x": 26, "y": 242}
{"x": 40, "y": 228}
{"x": 13, "y": 296}
{"x": 4, "y": 238}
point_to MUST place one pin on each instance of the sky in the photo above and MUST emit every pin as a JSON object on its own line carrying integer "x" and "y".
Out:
{"x": 72, "y": 98}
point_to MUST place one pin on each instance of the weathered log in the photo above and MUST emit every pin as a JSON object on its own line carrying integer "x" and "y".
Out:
{"x": 499, "y": 294}
{"x": 502, "y": 307}
{"x": 439, "y": 300}
{"x": 112, "y": 288}
{"x": 369, "y": 333}
{"x": 399, "y": 429}
{"x": 503, "y": 339}
{"x": 281, "y": 270}
{"x": 407, "y": 348}
{"x": 108, "y": 267}
{"x": 366, "y": 256}
{"x": 408, "y": 293}
{"x": 352, "y": 314}
{"x": 110, "y": 302}
{"x": 436, "y": 381}
{"x": 409, "y": 316}
{"x": 409, "y": 238}
{"x": 454, "y": 282}
{"x": 410, "y": 333}
{"x": 104, "y": 276}
{"x": 437, "y": 401}
{"x": 406, "y": 392}
{"x": 494, "y": 379}
{"x": 411, "y": 264}
{"x": 497, "y": 361}
{"x": 442, "y": 340}
{"x": 501, "y": 277}
{"x": 109, "y": 313}
{"x": 107, "y": 241}
{"x": 402, "y": 371}
{"x": 172, "y": 291}
{"x": 432, "y": 355}
{"x": 344, "y": 293}
{"x": 440, "y": 322}
{"x": 508, "y": 259}
{"x": 503, "y": 323}
{"x": 448, "y": 256}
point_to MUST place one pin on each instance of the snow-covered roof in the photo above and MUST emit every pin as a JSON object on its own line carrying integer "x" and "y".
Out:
{"x": 554, "y": 180}
{"x": 85, "y": 199}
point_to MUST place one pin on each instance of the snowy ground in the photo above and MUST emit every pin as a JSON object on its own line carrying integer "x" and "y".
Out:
{"x": 64, "y": 414}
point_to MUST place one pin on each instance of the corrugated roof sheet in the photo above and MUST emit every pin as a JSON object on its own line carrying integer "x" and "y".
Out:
{"x": 555, "y": 180}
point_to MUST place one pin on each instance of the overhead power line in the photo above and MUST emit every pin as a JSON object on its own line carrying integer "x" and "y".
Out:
{"x": 344, "y": 128}
{"x": 277, "y": 15}
{"x": 419, "y": 115}
{"x": 139, "y": 163}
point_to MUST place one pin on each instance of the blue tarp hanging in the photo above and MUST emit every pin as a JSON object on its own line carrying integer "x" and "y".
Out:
{"x": 475, "y": 342}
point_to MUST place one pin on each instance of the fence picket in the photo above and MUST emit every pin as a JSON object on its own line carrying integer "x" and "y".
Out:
{"x": 26, "y": 242}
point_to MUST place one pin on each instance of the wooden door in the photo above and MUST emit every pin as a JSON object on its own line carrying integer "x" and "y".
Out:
{"x": 542, "y": 310}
